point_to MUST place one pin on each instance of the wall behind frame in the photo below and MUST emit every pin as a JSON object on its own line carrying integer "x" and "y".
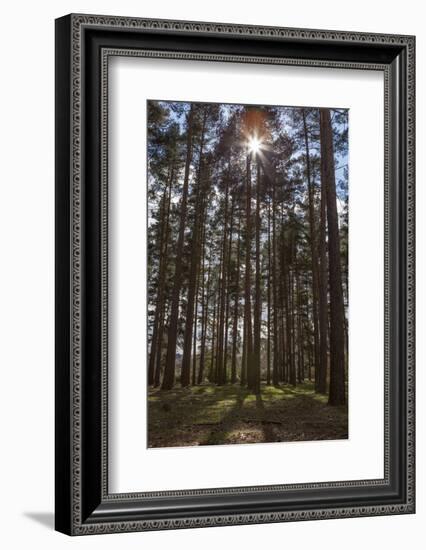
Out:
{"x": 27, "y": 274}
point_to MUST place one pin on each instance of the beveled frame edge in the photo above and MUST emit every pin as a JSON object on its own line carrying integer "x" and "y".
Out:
{"x": 68, "y": 367}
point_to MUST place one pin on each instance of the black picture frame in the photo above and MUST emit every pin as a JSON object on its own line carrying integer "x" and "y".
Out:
{"x": 83, "y": 504}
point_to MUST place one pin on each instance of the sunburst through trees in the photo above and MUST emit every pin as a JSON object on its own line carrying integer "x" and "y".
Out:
{"x": 247, "y": 273}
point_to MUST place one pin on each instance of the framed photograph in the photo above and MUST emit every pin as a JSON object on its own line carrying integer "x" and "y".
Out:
{"x": 234, "y": 274}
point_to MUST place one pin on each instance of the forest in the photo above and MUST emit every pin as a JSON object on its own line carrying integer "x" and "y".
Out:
{"x": 247, "y": 273}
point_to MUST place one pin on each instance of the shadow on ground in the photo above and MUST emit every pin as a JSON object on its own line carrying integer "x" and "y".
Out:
{"x": 218, "y": 415}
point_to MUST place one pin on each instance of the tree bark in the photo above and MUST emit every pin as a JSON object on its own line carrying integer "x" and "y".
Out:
{"x": 195, "y": 338}
{"x": 247, "y": 305}
{"x": 194, "y": 267}
{"x": 228, "y": 279}
{"x": 337, "y": 335}
{"x": 222, "y": 300}
{"x": 211, "y": 375}
{"x": 169, "y": 371}
{"x": 321, "y": 375}
{"x": 165, "y": 253}
{"x": 313, "y": 247}
{"x": 299, "y": 332}
{"x": 205, "y": 315}
{"x": 258, "y": 305}
{"x": 275, "y": 365}
{"x": 236, "y": 301}
{"x": 268, "y": 354}
{"x": 289, "y": 292}
{"x": 163, "y": 249}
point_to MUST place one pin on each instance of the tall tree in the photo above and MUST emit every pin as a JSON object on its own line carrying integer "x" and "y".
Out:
{"x": 268, "y": 352}
{"x": 204, "y": 317}
{"x": 313, "y": 245}
{"x": 220, "y": 378}
{"x": 275, "y": 317}
{"x": 236, "y": 309}
{"x": 337, "y": 338}
{"x": 247, "y": 300}
{"x": 157, "y": 339}
{"x": 211, "y": 375}
{"x": 257, "y": 306}
{"x": 224, "y": 377}
{"x": 163, "y": 246}
{"x": 247, "y": 230}
{"x": 195, "y": 259}
{"x": 169, "y": 371}
{"x": 321, "y": 375}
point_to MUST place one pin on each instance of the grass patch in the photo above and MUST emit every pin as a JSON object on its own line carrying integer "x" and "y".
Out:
{"x": 212, "y": 415}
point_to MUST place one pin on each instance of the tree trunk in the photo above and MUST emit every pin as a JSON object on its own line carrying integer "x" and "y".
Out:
{"x": 247, "y": 305}
{"x": 162, "y": 269}
{"x": 290, "y": 312}
{"x": 243, "y": 377}
{"x": 169, "y": 371}
{"x": 237, "y": 296}
{"x": 215, "y": 372}
{"x": 204, "y": 316}
{"x": 337, "y": 335}
{"x": 194, "y": 267}
{"x": 321, "y": 375}
{"x": 228, "y": 279}
{"x": 258, "y": 306}
{"x": 194, "y": 352}
{"x": 284, "y": 325}
{"x": 165, "y": 252}
{"x": 275, "y": 365}
{"x": 157, "y": 336}
{"x": 268, "y": 354}
{"x": 222, "y": 300}
{"x": 211, "y": 375}
{"x": 313, "y": 247}
{"x": 299, "y": 332}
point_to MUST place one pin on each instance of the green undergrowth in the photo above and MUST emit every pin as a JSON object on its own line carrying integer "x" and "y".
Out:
{"x": 212, "y": 415}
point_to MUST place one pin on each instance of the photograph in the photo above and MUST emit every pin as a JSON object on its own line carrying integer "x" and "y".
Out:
{"x": 234, "y": 273}
{"x": 247, "y": 273}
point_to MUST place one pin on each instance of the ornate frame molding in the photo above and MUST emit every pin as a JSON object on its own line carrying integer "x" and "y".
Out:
{"x": 72, "y": 45}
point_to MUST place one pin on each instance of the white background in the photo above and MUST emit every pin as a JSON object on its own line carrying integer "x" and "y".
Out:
{"x": 132, "y": 80}
{"x": 26, "y": 300}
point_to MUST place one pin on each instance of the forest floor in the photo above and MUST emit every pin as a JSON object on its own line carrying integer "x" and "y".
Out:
{"x": 219, "y": 415}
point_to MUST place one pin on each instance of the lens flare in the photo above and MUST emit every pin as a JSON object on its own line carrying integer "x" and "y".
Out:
{"x": 254, "y": 144}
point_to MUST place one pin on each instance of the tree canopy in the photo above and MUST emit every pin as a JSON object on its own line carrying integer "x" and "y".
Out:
{"x": 247, "y": 246}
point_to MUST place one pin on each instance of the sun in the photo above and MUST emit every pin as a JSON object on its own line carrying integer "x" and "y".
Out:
{"x": 254, "y": 144}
